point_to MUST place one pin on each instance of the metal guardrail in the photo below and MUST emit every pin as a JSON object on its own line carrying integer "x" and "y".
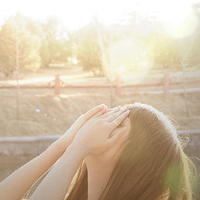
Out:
{"x": 30, "y": 139}
{"x": 33, "y": 146}
{"x": 55, "y": 137}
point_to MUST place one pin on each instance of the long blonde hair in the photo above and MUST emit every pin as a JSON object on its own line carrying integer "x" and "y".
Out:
{"x": 152, "y": 164}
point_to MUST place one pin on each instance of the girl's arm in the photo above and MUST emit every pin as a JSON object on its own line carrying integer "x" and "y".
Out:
{"x": 55, "y": 185}
{"x": 19, "y": 182}
{"x": 92, "y": 138}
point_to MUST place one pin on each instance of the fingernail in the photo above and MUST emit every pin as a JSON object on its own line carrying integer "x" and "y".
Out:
{"x": 104, "y": 108}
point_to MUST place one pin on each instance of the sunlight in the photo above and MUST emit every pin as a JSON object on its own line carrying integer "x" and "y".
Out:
{"x": 109, "y": 12}
{"x": 76, "y": 14}
{"x": 178, "y": 17}
{"x": 73, "y": 14}
{"x": 128, "y": 56}
{"x": 182, "y": 27}
{"x": 180, "y": 22}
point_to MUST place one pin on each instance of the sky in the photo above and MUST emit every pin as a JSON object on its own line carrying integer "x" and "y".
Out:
{"x": 74, "y": 14}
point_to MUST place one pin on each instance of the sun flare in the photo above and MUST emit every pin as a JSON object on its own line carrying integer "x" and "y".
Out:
{"x": 75, "y": 14}
{"x": 178, "y": 16}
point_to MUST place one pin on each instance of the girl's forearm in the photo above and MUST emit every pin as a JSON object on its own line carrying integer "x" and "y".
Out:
{"x": 55, "y": 185}
{"x": 19, "y": 182}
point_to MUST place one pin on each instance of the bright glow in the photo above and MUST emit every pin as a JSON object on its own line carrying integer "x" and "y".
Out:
{"x": 177, "y": 15}
{"x": 179, "y": 18}
{"x": 127, "y": 53}
{"x": 73, "y": 60}
{"x": 110, "y": 11}
{"x": 121, "y": 69}
{"x": 128, "y": 56}
{"x": 72, "y": 13}
{"x": 76, "y": 13}
{"x": 182, "y": 27}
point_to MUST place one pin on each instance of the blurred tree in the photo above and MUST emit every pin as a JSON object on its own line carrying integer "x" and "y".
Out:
{"x": 14, "y": 35}
{"x": 194, "y": 55}
{"x": 88, "y": 50}
{"x": 193, "y": 43}
{"x": 164, "y": 50}
{"x": 56, "y": 46}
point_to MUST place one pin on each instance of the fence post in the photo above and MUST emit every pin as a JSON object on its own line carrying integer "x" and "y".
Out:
{"x": 57, "y": 84}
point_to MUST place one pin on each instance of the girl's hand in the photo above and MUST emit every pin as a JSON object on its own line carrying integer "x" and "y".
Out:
{"x": 66, "y": 139}
{"x": 96, "y": 136}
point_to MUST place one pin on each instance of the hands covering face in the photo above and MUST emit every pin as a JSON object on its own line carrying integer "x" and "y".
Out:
{"x": 99, "y": 129}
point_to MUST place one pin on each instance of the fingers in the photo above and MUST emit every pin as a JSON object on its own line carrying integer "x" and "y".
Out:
{"x": 114, "y": 115}
{"x": 89, "y": 114}
{"x": 119, "y": 132}
{"x": 109, "y": 112}
{"x": 119, "y": 119}
{"x": 94, "y": 111}
{"x": 101, "y": 112}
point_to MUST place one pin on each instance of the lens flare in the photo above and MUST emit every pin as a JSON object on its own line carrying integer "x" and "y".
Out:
{"x": 184, "y": 27}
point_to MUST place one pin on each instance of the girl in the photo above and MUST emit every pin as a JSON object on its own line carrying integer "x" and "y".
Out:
{"x": 129, "y": 153}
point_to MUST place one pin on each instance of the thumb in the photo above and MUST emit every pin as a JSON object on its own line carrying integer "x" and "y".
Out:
{"x": 117, "y": 134}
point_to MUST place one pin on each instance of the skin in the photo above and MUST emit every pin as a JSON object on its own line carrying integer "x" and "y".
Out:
{"x": 21, "y": 180}
{"x": 98, "y": 174}
{"x": 92, "y": 135}
{"x": 94, "y": 138}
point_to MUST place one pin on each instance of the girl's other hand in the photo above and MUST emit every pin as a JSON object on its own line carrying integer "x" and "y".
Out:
{"x": 95, "y": 136}
{"x": 66, "y": 139}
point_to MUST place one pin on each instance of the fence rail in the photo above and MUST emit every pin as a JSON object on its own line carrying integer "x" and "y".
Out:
{"x": 118, "y": 85}
{"x": 65, "y": 85}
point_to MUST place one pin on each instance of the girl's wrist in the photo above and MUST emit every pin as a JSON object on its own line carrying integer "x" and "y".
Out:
{"x": 76, "y": 147}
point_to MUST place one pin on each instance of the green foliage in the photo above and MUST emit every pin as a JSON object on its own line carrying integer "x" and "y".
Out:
{"x": 165, "y": 51}
{"x": 14, "y": 35}
{"x": 56, "y": 46}
{"x": 88, "y": 51}
{"x": 134, "y": 42}
{"x": 45, "y": 54}
{"x": 39, "y": 44}
{"x": 194, "y": 52}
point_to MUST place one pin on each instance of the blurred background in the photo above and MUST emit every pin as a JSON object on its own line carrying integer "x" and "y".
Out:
{"x": 60, "y": 58}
